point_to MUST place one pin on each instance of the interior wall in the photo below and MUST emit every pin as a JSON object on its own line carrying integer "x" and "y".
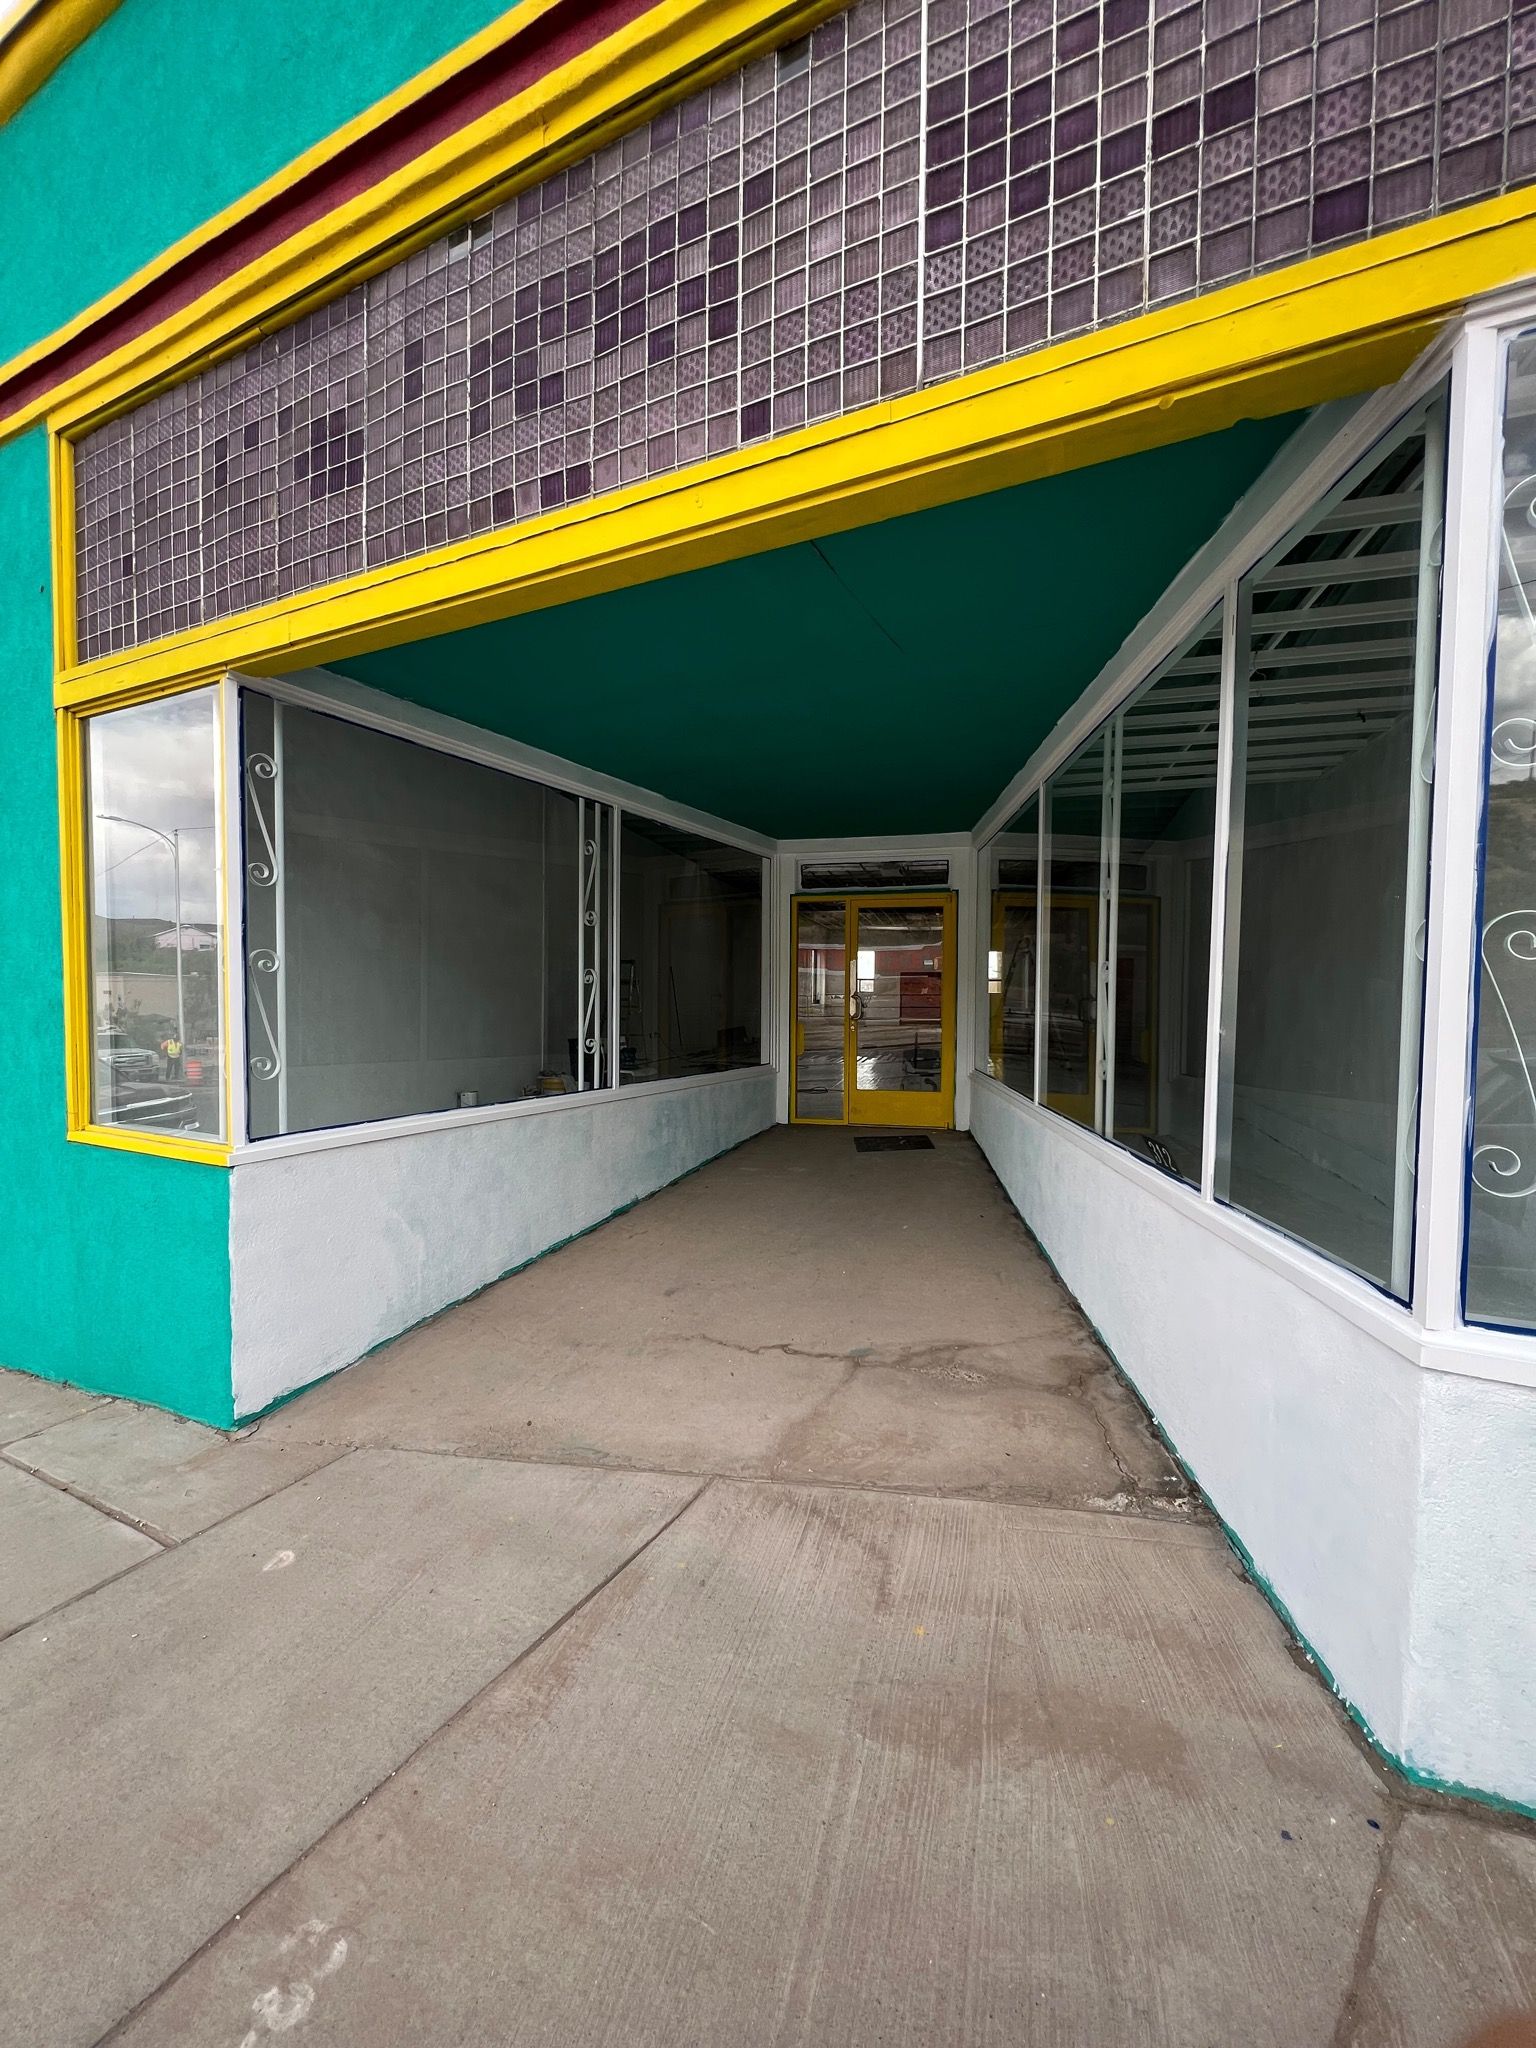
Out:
{"x": 1387, "y": 1508}
{"x": 338, "y": 1248}
{"x": 1318, "y": 996}
{"x": 431, "y": 927}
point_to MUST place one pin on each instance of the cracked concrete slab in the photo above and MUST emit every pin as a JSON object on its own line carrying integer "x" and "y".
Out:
{"x": 55, "y": 1548}
{"x": 178, "y": 1739}
{"x": 1455, "y": 1941}
{"x": 961, "y": 1431}
{"x": 835, "y": 1767}
{"x": 28, "y": 1405}
{"x": 171, "y": 1477}
{"x": 800, "y": 1310}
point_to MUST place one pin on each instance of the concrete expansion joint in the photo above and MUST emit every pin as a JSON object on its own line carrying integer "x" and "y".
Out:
{"x": 1344, "y": 2035}
{"x": 530, "y": 1649}
{"x": 87, "y": 1499}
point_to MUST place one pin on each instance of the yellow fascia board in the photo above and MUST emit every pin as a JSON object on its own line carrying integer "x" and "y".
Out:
{"x": 37, "y": 40}
{"x": 676, "y": 47}
{"x": 1335, "y": 325}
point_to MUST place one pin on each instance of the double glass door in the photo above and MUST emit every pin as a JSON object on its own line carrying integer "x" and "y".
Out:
{"x": 874, "y": 1026}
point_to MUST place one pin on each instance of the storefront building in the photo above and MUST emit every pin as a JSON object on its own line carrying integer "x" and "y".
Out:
{"x": 576, "y": 593}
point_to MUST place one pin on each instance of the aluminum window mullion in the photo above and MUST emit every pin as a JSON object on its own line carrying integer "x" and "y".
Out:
{"x": 1217, "y": 1039}
{"x": 611, "y": 950}
{"x": 1042, "y": 935}
{"x": 230, "y": 840}
{"x": 1420, "y": 798}
{"x": 1109, "y": 929}
{"x": 1473, "y": 522}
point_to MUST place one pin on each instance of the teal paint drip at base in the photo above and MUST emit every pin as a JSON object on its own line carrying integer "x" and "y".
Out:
{"x": 1426, "y": 1781}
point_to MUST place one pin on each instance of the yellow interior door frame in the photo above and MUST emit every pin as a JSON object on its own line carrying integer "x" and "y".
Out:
{"x": 1080, "y": 1107}
{"x": 925, "y": 1109}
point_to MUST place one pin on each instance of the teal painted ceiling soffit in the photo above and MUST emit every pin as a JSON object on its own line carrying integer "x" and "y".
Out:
{"x": 889, "y": 680}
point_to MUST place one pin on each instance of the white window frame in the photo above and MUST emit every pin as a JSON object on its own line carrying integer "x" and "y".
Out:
{"x": 339, "y": 697}
{"x": 1324, "y": 451}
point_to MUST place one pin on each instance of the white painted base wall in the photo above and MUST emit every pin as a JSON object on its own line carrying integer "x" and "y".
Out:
{"x": 1390, "y": 1505}
{"x": 337, "y": 1249}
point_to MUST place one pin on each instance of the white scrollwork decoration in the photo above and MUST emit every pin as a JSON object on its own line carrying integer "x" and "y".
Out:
{"x": 262, "y": 867}
{"x": 1494, "y": 1166}
{"x": 1509, "y": 751}
{"x": 264, "y": 1066}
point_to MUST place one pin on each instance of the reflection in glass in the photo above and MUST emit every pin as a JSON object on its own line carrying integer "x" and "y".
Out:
{"x": 821, "y": 1008}
{"x": 1326, "y": 881}
{"x": 157, "y": 1061}
{"x": 1501, "y": 1233}
{"x": 1011, "y": 983}
{"x": 1074, "y": 883}
{"x": 899, "y": 999}
{"x": 690, "y": 953}
{"x": 1167, "y": 765}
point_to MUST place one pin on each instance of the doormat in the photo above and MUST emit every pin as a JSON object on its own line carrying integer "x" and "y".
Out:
{"x": 893, "y": 1144}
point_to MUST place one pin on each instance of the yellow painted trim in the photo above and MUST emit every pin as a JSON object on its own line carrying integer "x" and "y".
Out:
{"x": 74, "y": 899}
{"x": 38, "y": 40}
{"x": 79, "y": 1008}
{"x": 1335, "y": 325}
{"x": 675, "y": 48}
{"x": 200, "y": 1152}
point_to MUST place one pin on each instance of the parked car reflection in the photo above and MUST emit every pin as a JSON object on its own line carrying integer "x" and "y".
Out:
{"x": 129, "y": 1089}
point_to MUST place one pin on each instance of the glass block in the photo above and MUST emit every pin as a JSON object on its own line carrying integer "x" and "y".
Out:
{"x": 1471, "y": 173}
{"x": 798, "y": 238}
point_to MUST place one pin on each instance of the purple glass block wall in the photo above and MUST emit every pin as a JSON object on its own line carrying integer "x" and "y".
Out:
{"x": 918, "y": 188}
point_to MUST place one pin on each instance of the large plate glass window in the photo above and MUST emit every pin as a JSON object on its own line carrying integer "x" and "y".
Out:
{"x": 156, "y": 931}
{"x": 690, "y": 996}
{"x": 1165, "y": 751}
{"x": 422, "y": 932}
{"x": 1322, "y": 988}
{"x": 1012, "y": 946}
{"x": 1501, "y": 1222}
{"x": 1076, "y": 899}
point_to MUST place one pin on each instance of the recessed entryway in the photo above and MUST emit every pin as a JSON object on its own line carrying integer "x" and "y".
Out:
{"x": 874, "y": 1009}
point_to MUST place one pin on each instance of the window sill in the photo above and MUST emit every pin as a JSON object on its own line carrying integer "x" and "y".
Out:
{"x": 257, "y": 1149}
{"x": 160, "y": 1145}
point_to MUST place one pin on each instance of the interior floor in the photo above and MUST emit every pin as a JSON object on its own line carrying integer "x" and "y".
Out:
{"x": 766, "y": 1620}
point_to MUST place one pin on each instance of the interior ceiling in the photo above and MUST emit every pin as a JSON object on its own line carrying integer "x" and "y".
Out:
{"x": 887, "y": 681}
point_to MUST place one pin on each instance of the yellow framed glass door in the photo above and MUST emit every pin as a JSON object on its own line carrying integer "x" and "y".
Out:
{"x": 874, "y": 1026}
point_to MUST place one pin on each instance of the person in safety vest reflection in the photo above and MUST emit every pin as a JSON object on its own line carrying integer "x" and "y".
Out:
{"x": 171, "y": 1047}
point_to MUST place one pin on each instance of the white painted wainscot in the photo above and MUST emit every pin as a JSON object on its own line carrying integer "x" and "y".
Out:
{"x": 1381, "y": 1477}
{"x": 342, "y": 1240}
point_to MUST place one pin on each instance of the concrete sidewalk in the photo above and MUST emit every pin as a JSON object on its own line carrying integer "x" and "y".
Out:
{"x": 767, "y": 1620}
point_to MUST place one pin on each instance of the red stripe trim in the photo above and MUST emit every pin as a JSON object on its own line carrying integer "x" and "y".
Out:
{"x": 565, "y": 32}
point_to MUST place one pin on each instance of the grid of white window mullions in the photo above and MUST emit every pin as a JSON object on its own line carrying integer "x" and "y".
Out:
{"x": 1381, "y": 655}
{"x": 604, "y": 806}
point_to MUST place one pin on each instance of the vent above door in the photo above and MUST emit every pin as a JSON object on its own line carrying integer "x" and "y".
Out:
{"x": 860, "y": 875}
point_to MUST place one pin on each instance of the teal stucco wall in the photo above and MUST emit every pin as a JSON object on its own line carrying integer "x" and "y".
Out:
{"x": 114, "y": 1267}
{"x": 173, "y": 110}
